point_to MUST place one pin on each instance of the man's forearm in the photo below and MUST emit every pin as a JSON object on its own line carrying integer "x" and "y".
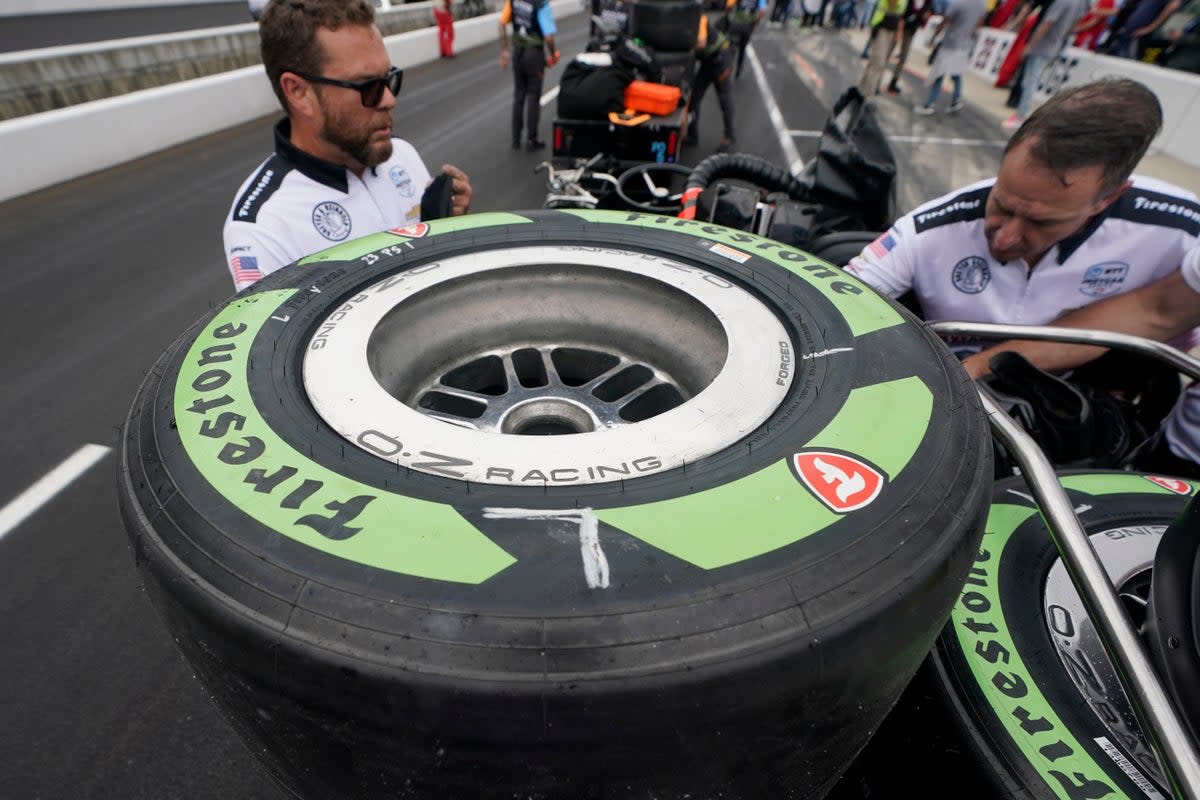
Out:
{"x": 1160, "y": 311}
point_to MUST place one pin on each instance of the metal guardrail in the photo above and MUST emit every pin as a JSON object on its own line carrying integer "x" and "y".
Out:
{"x": 1161, "y": 722}
{"x": 34, "y": 81}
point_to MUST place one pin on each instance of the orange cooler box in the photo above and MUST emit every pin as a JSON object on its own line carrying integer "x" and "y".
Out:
{"x": 652, "y": 98}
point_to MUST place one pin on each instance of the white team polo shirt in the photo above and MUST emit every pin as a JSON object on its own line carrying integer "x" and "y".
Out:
{"x": 295, "y": 205}
{"x": 939, "y": 251}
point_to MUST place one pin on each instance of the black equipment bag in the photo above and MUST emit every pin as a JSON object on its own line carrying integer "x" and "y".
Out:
{"x": 636, "y": 59}
{"x": 590, "y": 92}
{"x": 855, "y": 170}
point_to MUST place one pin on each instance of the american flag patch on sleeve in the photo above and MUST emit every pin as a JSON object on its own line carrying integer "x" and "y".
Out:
{"x": 245, "y": 270}
{"x": 883, "y": 245}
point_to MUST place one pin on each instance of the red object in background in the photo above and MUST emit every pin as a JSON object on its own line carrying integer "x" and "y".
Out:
{"x": 1003, "y": 13}
{"x": 1089, "y": 36}
{"x": 653, "y": 98}
{"x": 1015, "y": 53}
{"x": 445, "y": 26}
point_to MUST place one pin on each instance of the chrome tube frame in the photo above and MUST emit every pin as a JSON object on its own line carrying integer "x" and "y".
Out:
{"x": 1161, "y": 722}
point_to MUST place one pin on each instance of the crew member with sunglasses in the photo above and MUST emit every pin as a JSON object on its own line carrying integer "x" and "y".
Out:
{"x": 337, "y": 173}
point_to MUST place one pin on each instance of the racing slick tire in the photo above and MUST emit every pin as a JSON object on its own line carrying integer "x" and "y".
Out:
{"x": 1021, "y": 665}
{"x": 765, "y": 490}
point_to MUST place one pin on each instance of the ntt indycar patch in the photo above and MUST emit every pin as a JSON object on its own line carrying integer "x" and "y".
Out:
{"x": 1104, "y": 279}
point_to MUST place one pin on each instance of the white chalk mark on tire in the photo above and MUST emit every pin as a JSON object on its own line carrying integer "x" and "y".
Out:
{"x": 595, "y": 564}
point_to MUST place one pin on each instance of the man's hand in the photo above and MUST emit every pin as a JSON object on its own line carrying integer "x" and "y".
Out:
{"x": 461, "y": 189}
{"x": 976, "y": 365}
{"x": 504, "y": 58}
{"x": 553, "y": 58}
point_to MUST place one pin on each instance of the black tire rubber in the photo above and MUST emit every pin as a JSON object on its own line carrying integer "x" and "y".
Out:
{"x": 1000, "y": 667}
{"x": 838, "y": 248}
{"x": 671, "y": 25}
{"x": 1172, "y": 629}
{"x": 745, "y": 676}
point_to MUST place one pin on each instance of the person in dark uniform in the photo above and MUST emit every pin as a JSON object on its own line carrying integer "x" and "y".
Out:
{"x": 532, "y": 50}
{"x": 613, "y": 13}
{"x": 715, "y": 68}
{"x": 743, "y": 19}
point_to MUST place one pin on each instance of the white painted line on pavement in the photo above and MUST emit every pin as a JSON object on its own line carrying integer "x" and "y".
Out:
{"x": 790, "y": 153}
{"x": 916, "y": 139}
{"x": 49, "y": 485}
{"x": 549, "y": 96}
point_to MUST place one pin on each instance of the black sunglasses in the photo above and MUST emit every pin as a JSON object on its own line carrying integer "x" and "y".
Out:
{"x": 370, "y": 90}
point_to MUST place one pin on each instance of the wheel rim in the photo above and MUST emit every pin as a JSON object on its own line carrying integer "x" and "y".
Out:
{"x": 638, "y": 363}
{"x": 1127, "y": 554}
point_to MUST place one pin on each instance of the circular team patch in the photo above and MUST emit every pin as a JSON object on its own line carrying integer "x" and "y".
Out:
{"x": 402, "y": 181}
{"x": 971, "y": 275}
{"x": 331, "y": 221}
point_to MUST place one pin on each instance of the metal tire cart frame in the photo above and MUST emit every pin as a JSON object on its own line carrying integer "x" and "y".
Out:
{"x": 1166, "y": 731}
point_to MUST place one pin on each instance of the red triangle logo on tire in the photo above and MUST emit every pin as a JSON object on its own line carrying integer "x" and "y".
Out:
{"x": 1171, "y": 484}
{"x": 414, "y": 231}
{"x": 840, "y": 481}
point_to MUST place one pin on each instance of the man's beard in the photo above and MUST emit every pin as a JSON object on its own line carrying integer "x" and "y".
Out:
{"x": 358, "y": 146}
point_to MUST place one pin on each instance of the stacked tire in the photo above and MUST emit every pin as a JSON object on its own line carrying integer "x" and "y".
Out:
{"x": 1021, "y": 664}
{"x": 765, "y": 491}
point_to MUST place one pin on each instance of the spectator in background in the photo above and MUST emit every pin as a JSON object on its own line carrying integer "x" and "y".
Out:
{"x": 780, "y": 11}
{"x": 914, "y": 18}
{"x": 1091, "y": 27}
{"x": 1045, "y": 44}
{"x": 444, "y": 16}
{"x": 866, "y": 12}
{"x": 1184, "y": 52}
{"x": 887, "y": 24}
{"x": 814, "y": 12}
{"x": 1142, "y": 20}
{"x": 959, "y": 23}
{"x": 1000, "y": 15}
{"x": 843, "y": 13}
